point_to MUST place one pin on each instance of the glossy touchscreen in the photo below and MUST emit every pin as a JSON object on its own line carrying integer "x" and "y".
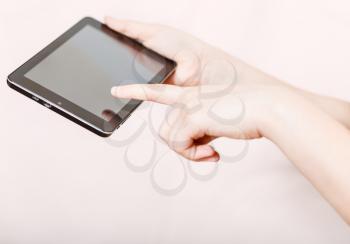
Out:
{"x": 84, "y": 68}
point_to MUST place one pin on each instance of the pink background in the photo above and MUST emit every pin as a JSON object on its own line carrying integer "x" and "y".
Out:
{"x": 60, "y": 183}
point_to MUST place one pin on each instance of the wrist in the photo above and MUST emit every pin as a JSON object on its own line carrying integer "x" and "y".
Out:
{"x": 283, "y": 108}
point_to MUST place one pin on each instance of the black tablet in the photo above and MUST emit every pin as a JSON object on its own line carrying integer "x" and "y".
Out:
{"x": 74, "y": 74}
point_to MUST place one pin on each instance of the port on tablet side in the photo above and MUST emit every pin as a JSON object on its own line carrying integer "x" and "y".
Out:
{"x": 57, "y": 109}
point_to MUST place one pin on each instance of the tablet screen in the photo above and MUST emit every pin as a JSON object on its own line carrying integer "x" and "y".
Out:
{"x": 90, "y": 63}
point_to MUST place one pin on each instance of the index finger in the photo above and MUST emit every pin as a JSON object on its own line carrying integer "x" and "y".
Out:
{"x": 160, "y": 93}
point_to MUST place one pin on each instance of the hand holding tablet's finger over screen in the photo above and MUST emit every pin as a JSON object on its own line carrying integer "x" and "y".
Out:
{"x": 189, "y": 127}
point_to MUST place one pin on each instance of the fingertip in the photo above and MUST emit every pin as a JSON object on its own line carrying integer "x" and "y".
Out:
{"x": 214, "y": 158}
{"x": 203, "y": 151}
{"x": 114, "y": 91}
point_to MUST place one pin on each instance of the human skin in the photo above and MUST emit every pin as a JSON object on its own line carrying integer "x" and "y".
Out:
{"x": 312, "y": 130}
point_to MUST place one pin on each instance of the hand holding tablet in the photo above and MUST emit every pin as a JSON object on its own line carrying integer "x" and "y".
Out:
{"x": 74, "y": 74}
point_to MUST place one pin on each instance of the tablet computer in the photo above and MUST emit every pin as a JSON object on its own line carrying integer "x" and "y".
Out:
{"x": 74, "y": 74}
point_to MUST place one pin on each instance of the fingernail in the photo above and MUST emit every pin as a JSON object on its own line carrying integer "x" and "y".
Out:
{"x": 214, "y": 159}
{"x": 114, "y": 91}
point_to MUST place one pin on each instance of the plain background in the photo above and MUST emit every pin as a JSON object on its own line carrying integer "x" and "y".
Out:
{"x": 60, "y": 183}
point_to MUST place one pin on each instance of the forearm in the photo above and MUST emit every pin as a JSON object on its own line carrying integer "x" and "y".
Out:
{"x": 318, "y": 145}
{"x": 336, "y": 108}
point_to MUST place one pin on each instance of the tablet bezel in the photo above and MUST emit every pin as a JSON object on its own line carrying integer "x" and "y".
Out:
{"x": 21, "y": 83}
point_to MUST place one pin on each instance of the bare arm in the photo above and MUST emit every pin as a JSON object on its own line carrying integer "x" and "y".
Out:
{"x": 336, "y": 108}
{"x": 318, "y": 145}
{"x": 310, "y": 129}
